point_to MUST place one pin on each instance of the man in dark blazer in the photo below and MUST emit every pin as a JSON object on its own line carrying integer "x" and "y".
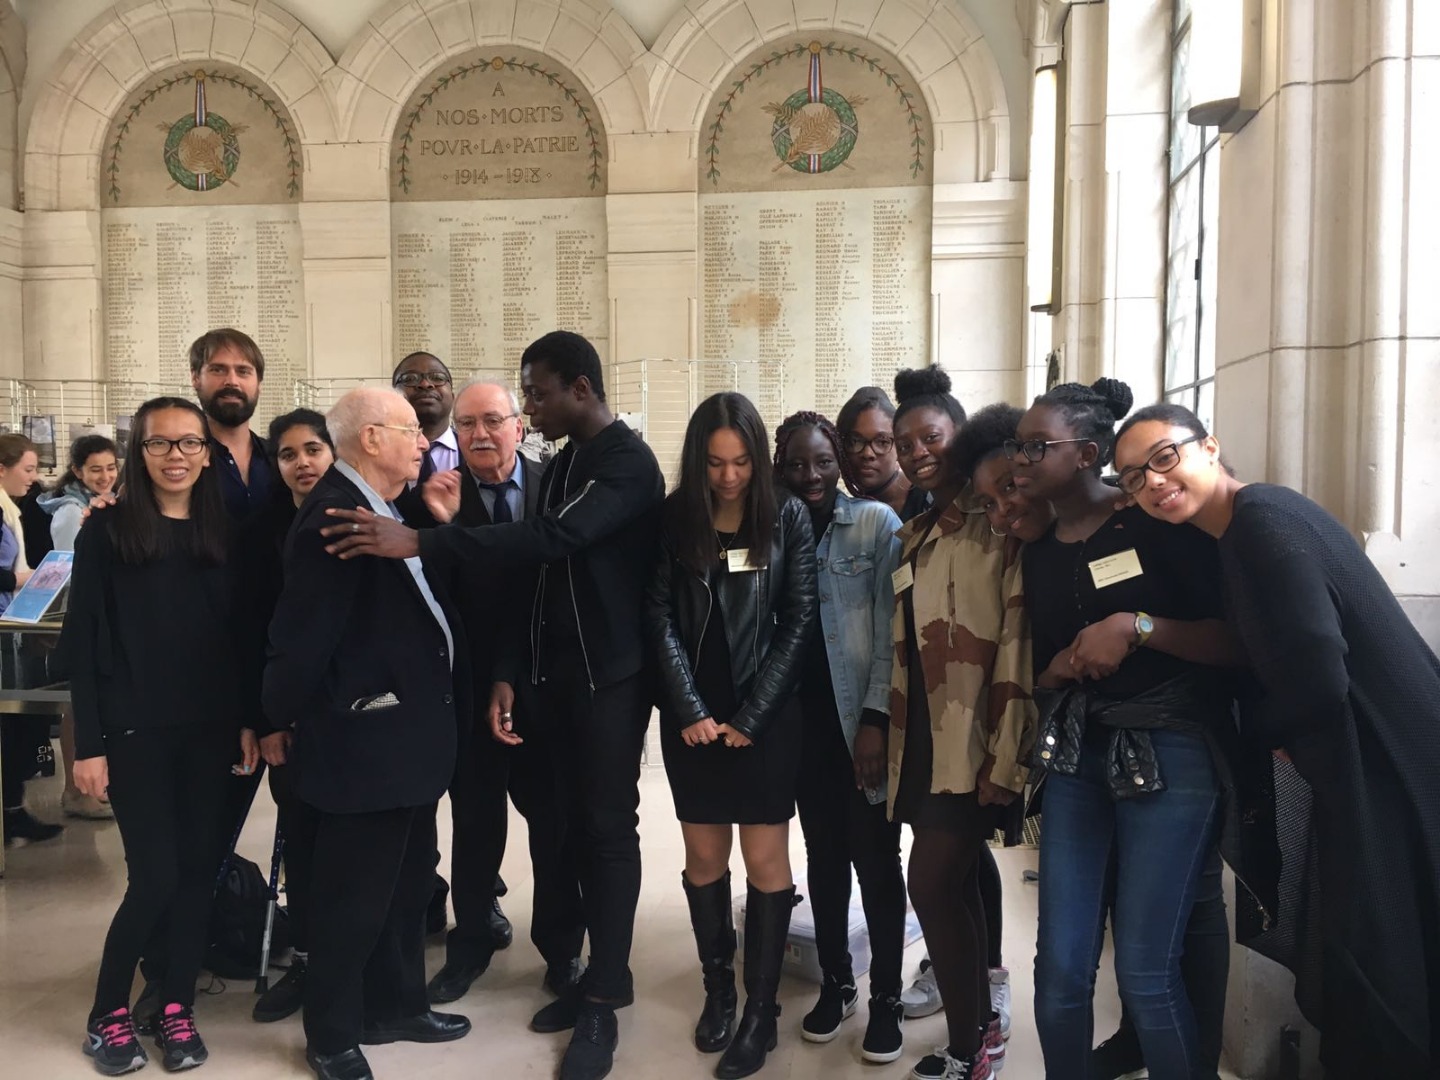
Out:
{"x": 500, "y": 485}
{"x": 366, "y": 668}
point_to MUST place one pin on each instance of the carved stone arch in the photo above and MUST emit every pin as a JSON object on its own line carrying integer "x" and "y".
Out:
{"x": 408, "y": 39}
{"x": 137, "y": 38}
{"x": 937, "y": 41}
{"x": 12, "y": 78}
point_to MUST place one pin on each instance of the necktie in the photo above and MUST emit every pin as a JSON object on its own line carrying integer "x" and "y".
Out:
{"x": 501, "y": 513}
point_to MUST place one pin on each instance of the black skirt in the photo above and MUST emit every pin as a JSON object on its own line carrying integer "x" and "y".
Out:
{"x": 720, "y": 785}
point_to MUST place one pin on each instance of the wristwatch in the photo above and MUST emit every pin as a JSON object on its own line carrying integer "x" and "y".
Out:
{"x": 1144, "y": 627}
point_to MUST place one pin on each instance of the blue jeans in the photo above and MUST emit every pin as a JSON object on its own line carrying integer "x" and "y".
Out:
{"x": 1148, "y": 853}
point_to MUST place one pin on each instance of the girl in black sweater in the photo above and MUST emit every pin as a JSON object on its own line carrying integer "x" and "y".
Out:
{"x": 155, "y": 681}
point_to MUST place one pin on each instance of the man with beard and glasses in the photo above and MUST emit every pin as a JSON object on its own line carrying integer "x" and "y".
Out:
{"x": 226, "y": 369}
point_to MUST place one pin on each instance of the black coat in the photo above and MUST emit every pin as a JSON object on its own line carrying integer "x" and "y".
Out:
{"x": 348, "y": 630}
{"x": 600, "y": 530}
{"x": 1351, "y": 691}
{"x": 767, "y": 616}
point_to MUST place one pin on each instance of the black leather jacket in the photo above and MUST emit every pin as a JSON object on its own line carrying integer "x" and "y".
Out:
{"x": 767, "y": 616}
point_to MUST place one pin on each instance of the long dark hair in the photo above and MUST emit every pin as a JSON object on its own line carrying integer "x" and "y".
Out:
{"x": 689, "y": 508}
{"x": 138, "y": 525}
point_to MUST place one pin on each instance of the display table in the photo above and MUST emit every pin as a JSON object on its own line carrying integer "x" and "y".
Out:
{"x": 23, "y": 686}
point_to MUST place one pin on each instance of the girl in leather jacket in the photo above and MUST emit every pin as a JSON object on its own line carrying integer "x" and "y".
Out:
{"x": 847, "y": 675}
{"x": 728, "y": 614}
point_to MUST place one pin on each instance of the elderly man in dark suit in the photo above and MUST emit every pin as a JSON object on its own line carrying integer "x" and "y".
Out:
{"x": 365, "y": 667}
{"x": 499, "y": 485}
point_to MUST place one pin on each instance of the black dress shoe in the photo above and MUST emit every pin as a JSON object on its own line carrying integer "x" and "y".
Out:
{"x": 561, "y": 1013}
{"x": 591, "y": 1053}
{"x": 429, "y": 1027}
{"x": 346, "y": 1065}
{"x": 562, "y": 979}
{"x": 452, "y": 982}
{"x": 501, "y": 932}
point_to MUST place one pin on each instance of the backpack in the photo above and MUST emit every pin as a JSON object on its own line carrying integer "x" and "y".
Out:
{"x": 237, "y": 922}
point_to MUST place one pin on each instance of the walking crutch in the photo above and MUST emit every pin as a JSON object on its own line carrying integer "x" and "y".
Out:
{"x": 262, "y": 980}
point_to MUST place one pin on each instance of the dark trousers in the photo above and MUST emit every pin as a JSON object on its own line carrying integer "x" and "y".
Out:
{"x": 21, "y": 736}
{"x": 298, "y": 822}
{"x": 371, "y": 880}
{"x": 597, "y": 738}
{"x": 842, "y": 828}
{"x": 485, "y": 771}
{"x": 167, "y": 788}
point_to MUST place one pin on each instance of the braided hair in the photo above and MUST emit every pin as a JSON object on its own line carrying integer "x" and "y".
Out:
{"x": 1091, "y": 412}
{"x": 799, "y": 421}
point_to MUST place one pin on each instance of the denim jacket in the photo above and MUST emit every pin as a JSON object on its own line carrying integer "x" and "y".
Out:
{"x": 855, "y": 559}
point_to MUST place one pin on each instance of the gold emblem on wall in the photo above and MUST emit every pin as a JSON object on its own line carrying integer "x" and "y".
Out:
{"x": 192, "y": 155}
{"x": 811, "y": 136}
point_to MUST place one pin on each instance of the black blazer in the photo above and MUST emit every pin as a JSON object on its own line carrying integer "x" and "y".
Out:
{"x": 767, "y": 617}
{"x": 492, "y": 595}
{"x": 348, "y": 631}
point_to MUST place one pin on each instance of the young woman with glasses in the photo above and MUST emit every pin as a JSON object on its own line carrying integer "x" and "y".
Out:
{"x": 151, "y": 646}
{"x": 867, "y": 435}
{"x": 1350, "y": 693}
{"x": 960, "y": 713}
{"x": 1130, "y": 645}
{"x": 729, "y": 612}
{"x": 846, "y": 683}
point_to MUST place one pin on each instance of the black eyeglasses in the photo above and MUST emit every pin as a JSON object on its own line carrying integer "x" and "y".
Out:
{"x": 1034, "y": 449}
{"x": 190, "y": 445}
{"x": 880, "y": 444}
{"x": 1161, "y": 461}
{"x": 413, "y": 379}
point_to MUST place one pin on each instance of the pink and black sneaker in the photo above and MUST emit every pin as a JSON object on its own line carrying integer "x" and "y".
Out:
{"x": 111, "y": 1041}
{"x": 179, "y": 1042}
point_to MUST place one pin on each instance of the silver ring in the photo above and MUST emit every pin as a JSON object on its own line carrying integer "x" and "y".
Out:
{"x": 355, "y": 528}
{"x": 504, "y": 716}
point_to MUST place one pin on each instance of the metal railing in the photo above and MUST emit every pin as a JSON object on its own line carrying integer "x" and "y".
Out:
{"x": 657, "y": 395}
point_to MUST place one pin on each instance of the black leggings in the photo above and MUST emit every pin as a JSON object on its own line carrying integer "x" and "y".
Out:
{"x": 945, "y": 890}
{"x": 841, "y": 827}
{"x": 167, "y": 787}
{"x": 991, "y": 900}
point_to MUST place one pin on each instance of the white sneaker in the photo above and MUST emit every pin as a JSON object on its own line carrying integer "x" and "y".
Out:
{"x": 1000, "y": 997}
{"x": 922, "y": 997}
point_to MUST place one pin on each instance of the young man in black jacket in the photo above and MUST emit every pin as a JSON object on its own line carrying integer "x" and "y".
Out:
{"x": 583, "y": 677}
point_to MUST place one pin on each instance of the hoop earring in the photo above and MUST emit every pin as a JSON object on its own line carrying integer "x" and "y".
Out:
{"x": 996, "y": 532}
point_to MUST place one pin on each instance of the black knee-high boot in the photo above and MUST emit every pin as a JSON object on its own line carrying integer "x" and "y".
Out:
{"x": 767, "y": 921}
{"x": 714, "y": 926}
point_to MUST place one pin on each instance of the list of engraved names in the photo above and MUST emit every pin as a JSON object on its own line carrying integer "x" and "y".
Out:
{"x": 171, "y": 273}
{"x": 816, "y": 293}
{"x": 476, "y": 283}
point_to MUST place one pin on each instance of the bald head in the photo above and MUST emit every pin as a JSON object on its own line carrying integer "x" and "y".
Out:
{"x": 376, "y": 434}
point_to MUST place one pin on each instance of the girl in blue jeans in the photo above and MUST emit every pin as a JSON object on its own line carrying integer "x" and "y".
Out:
{"x": 1128, "y": 637}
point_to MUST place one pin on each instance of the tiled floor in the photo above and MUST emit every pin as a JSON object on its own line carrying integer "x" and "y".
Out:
{"x": 56, "y": 900}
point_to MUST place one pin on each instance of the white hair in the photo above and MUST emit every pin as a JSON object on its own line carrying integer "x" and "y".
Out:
{"x": 357, "y": 408}
{"x": 509, "y": 392}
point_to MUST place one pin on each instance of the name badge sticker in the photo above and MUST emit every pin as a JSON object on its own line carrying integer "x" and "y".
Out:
{"x": 902, "y": 578}
{"x": 739, "y": 561}
{"x": 1114, "y": 569}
